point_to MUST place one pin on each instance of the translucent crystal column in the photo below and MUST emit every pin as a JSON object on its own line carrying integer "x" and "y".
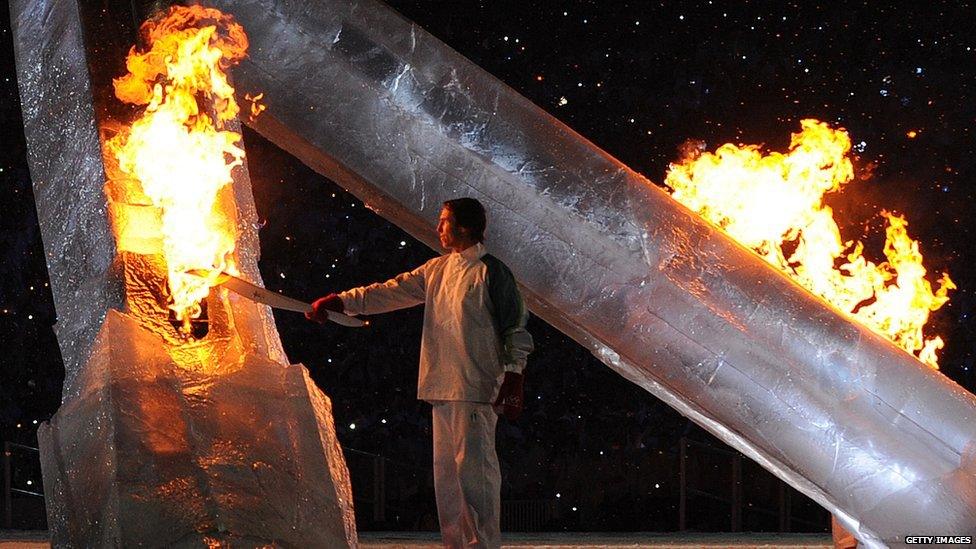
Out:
{"x": 157, "y": 443}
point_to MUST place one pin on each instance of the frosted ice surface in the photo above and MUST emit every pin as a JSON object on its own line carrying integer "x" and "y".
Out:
{"x": 150, "y": 451}
{"x": 66, "y": 169}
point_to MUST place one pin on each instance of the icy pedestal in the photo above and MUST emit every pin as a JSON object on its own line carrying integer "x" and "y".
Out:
{"x": 150, "y": 453}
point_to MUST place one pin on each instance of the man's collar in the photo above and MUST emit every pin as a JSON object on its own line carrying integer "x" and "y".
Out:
{"x": 474, "y": 253}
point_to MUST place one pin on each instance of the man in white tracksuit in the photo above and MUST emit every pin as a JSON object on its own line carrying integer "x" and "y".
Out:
{"x": 473, "y": 350}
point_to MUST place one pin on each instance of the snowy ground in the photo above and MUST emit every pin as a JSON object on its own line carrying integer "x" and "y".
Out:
{"x": 601, "y": 540}
{"x": 548, "y": 540}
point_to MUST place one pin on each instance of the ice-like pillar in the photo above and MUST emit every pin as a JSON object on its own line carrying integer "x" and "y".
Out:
{"x": 160, "y": 441}
{"x": 371, "y": 100}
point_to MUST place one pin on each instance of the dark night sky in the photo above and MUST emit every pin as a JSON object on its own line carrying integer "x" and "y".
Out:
{"x": 638, "y": 79}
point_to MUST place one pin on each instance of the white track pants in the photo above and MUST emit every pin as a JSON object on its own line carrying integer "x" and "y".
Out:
{"x": 467, "y": 480}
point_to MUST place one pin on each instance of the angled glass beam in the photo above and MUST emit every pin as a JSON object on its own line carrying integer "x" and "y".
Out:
{"x": 371, "y": 100}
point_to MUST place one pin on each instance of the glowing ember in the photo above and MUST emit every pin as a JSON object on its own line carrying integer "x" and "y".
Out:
{"x": 178, "y": 153}
{"x": 768, "y": 201}
{"x": 256, "y": 107}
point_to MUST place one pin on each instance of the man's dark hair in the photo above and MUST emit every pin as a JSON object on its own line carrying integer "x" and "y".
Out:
{"x": 470, "y": 214}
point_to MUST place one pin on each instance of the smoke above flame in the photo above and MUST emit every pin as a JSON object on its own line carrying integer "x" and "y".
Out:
{"x": 773, "y": 202}
{"x": 178, "y": 154}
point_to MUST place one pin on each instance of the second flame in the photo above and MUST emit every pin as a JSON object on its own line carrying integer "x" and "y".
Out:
{"x": 768, "y": 201}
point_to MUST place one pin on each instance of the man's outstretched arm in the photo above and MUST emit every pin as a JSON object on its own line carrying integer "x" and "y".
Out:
{"x": 404, "y": 290}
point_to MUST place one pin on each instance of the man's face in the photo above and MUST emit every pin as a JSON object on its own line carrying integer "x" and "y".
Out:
{"x": 453, "y": 236}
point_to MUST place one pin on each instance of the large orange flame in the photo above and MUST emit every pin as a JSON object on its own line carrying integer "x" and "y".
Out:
{"x": 179, "y": 151}
{"x": 768, "y": 201}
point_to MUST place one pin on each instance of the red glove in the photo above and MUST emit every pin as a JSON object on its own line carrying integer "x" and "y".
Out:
{"x": 510, "y": 397}
{"x": 322, "y": 306}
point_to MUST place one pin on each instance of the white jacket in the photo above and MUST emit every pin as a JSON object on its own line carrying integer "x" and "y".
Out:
{"x": 474, "y": 322}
